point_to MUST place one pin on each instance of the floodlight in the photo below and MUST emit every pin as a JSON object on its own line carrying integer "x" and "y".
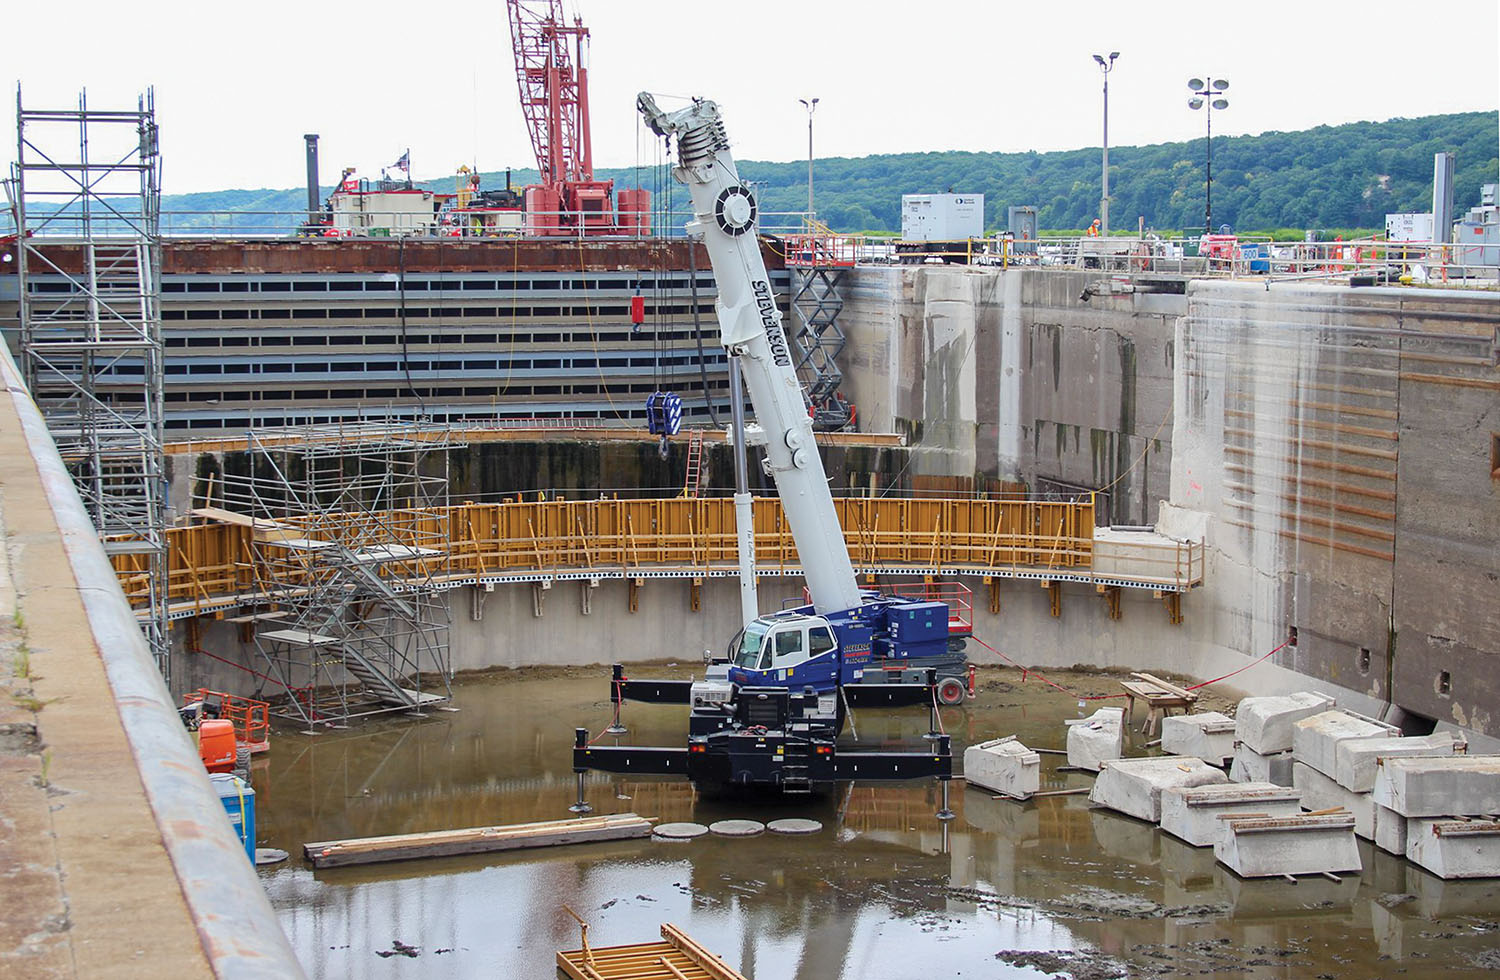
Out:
{"x": 1100, "y": 59}
{"x": 1220, "y": 84}
{"x": 1113, "y": 55}
{"x": 1221, "y": 103}
{"x": 1195, "y": 103}
{"x": 1196, "y": 84}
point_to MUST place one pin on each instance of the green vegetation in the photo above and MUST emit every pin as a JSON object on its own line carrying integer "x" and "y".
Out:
{"x": 1329, "y": 178}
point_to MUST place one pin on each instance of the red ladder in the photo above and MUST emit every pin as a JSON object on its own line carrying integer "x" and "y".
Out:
{"x": 697, "y": 476}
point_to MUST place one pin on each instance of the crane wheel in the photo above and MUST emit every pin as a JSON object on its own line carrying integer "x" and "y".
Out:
{"x": 950, "y": 691}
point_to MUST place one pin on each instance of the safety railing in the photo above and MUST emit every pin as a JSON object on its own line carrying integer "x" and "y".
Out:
{"x": 520, "y": 538}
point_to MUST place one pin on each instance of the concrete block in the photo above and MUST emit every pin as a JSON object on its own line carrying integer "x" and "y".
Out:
{"x": 1390, "y": 831}
{"x": 1354, "y": 760}
{"x": 1456, "y": 787}
{"x": 1208, "y": 736}
{"x": 1197, "y": 814}
{"x": 1455, "y": 848}
{"x": 1003, "y": 765}
{"x": 1315, "y": 738}
{"x": 1250, "y": 766}
{"x": 1134, "y": 786}
{"x": 1265, "y": 724}
{"x": 1300, "y": 845}
{"x": 1320, "y": 793}
{"x": 1097, "y": 738}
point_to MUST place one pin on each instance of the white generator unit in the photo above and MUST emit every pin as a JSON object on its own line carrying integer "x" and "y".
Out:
{"x": 941, "y": 217}
{"x": 1408, "y": 227}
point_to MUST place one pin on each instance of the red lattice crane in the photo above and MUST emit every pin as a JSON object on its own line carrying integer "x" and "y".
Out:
{"x": 553, "y": 83}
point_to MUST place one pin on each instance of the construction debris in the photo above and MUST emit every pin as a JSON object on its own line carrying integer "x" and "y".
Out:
{"x": 1208, "y": 736}
{"x": 1264, "y": 725}
{"x": 1005, "y": 766}
{"x": 476, "y": 840}
{"x": 1460, "y": 786}
{"x": 1355, "y": 760}
{"x": 1134, "y": 786}
{"x": 1198, "y": 814}
{"x": 1315, "y": 738}
{"x": 1096, "y": 739}
{"x": 1310, "y": 844}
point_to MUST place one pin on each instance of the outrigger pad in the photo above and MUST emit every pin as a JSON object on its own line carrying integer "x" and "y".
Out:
{"x": 886, "y": 695}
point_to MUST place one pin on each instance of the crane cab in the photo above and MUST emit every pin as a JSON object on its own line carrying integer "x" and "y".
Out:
{"x": 788, "y": 649}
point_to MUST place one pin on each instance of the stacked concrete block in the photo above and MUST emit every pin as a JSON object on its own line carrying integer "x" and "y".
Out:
{"x": 1315, "y": 739}
{"x": 1096, "y": 739}
{"x": 1449, "y": 806}
{"x": 1249, "y": 766}
{"x": 1134, "y": 786}
{"x": 1198, "y": 814}
{"x": 1263, "y": 735}
{"x": 1455, "y": 848}
{"x": 1208, "y": 736}
{"x": 1390, "y": 831}
{"x": 1355, "y": 760}
{"x": 1003, "y": 765}
{"x": 1319, "y": 792}
{"x": 1261, "y": 847}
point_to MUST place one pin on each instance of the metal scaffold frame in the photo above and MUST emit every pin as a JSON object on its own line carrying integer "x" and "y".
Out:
{"x": 91, "y": 345}
{"x": 820, "y": 342}
{"x": 349, "y": 528}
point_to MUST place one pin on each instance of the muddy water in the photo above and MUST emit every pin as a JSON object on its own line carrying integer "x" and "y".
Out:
{"x": 884, "y": 891}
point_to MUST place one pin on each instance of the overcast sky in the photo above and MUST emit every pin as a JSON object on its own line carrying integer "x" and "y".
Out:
{"x": 237, "y": 84}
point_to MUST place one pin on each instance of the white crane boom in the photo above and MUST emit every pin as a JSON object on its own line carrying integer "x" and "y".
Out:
{"x": 724, "y": 212}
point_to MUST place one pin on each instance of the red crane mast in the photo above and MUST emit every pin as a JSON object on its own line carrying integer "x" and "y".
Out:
{"x": 553, "y": 82}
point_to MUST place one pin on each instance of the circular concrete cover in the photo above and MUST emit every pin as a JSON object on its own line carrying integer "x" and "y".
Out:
{"x": 269, "y": 855}
{"x": 737, "y": 828}
{"x": 794, "y": 825}
{"x": 680, "y": 831}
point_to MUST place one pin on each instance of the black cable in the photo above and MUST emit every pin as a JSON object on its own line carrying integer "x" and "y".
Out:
{"x": 405, "y": 348}
{"x": 698, "y": 328}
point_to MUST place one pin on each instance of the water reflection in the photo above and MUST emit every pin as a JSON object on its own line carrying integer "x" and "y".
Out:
{"x": 885, "y": 890}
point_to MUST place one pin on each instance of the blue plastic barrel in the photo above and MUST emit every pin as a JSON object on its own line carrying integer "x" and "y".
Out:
{"x": 238, "y": 799}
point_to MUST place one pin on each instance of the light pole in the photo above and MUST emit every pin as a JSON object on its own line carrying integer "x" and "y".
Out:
{"x": 1106, "y": 67}
{"x": 811, "y": 108}
{"x": 1208, "y": 95}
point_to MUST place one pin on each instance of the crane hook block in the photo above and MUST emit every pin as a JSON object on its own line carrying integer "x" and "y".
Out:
{"x": 663, "y": 413}
{"x": 637, "y": 309}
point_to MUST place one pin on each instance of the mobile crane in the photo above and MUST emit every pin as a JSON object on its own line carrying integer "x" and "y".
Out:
{"x": 770, "y": 712}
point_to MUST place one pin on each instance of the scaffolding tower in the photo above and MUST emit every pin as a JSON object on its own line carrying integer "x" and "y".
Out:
{"x": 820, "y": 341}
{"x": 349, "y": 530}
{"x": 85, "y": 195}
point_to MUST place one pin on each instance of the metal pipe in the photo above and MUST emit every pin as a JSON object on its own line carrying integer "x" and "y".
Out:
{"x": 313, "y": 204}
{"x": 744, "y": 518}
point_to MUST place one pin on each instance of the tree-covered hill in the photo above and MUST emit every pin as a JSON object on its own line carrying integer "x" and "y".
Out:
{"x": 1347, "y": 176}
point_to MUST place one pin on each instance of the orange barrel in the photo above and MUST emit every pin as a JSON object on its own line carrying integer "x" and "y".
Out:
{"x": 216, "y": 744}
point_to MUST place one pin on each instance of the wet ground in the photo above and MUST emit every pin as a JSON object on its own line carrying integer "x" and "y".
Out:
{"x": 1048, "y": 888}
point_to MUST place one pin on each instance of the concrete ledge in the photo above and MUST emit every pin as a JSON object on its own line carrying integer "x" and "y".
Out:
{"x": 152, "y": 881}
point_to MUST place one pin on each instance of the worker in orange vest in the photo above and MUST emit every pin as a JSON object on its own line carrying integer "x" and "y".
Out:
{"x": 1094, "y": 229}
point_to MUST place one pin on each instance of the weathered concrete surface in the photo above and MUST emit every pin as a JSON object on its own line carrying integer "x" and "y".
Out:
{"x": 1250, "y": 766}
{"x": 1321, "y": 793}
{"x": 1134, "y": 786}
{"x": 1096, "y": 739}
{"x": 1197, "y": 814}
{"x": 1264, "y": 725}
{"x": 1208, "y": 735}
{"x": 1356, "y": 760}
{"x": 89, "y": 890}
{"x": 1455, "y": 848}
{"x": 1300, "y": 845}
{"x": 1003, "y": 765}
{"x": 1460, "y": 786}
{"x": 1390, "y": 831}
{"x": 1315, "y": 739}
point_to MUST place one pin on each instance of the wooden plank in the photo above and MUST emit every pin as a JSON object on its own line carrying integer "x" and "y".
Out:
{"x": 475, "y": 840}
{"x": 711, "y": 964}
{"x": 1166, "y": 686}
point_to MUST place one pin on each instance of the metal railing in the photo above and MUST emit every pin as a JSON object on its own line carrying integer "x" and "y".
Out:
{"x": 215, "y": 565}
